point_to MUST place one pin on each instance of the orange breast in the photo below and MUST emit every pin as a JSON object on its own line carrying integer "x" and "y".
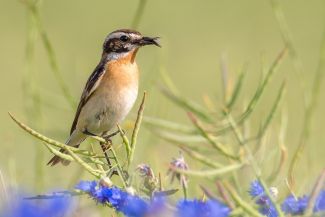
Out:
{"x": 121, "y": 73}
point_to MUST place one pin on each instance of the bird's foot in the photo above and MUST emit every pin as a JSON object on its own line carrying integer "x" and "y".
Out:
{"x": 113, "y": 172}
{"x": 109, "y": 136}
{"x": 106, "y": 145}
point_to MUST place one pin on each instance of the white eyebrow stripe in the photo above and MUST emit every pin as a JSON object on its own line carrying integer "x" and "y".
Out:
{"x": 115, "y": 35}
{"x": 119, "y": 34}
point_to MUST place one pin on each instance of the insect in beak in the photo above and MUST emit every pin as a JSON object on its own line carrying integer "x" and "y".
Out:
{"x": 149, "y": 41}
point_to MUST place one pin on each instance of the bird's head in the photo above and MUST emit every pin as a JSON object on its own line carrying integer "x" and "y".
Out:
{"x": 121, "y": 42}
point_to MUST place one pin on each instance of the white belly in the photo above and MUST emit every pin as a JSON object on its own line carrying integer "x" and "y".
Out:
{"x": 106, "y": 109}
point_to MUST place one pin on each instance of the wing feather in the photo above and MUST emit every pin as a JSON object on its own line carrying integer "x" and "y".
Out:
{"x": 91, "y": 86}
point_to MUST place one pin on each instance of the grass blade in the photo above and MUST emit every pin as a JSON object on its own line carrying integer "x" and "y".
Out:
{"x": 208, "y": 137}
{"x": 187, "y": 105}
{"x": 69, "y": 149}
{"x": 172, "y": 93}
{"x": 168, "y": 125}
{"x": 136, "y": 128}
{"x": 240, "y": 202}
{"x": 209, "y": 173}
{"x": 258, "y": 93}
{"x": 138, "y": 14}
{"x": 50, "y": 53}
{"x": 260, "y": 90}
{"x": 314, "y": 194}
{"x": 180, "y": 138}
{"x": 237, "y": 89}
{"x": 273, "y": 111}
{"x": 318, "y": 79}
{"x": 201, "y": 158}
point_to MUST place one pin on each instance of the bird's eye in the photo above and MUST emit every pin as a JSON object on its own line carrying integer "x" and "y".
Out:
{"x": 124, "y": 38}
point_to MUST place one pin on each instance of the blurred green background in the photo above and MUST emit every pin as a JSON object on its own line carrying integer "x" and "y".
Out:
{"x": 195, "y": 35}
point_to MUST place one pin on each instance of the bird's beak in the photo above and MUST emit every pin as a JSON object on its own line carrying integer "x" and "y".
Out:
{"x": 149, "y": 41}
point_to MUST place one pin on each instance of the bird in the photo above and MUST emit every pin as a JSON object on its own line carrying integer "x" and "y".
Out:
{"x": 110, "y": 91}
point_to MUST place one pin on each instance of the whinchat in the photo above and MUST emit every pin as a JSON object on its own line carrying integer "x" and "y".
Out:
{"x": 111, "y": 89}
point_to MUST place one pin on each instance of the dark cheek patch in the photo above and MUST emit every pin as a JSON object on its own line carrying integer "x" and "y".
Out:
{"x": 115, "y": 45}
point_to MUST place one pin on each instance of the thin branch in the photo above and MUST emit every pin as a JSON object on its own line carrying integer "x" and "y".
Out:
{"x": 67, "y": 148}
{"x": 310, "y": 110}
{"x": 125, "y": 142}
{"x": 139, "y": 14}
{"x": 208, "y": 137}
{"x": 50, "y": 53}
{"x": 240, "y": 202}
{"x": 313, "y": 197}
{"x": 201, "y": 158}
{"x": 253, "y": 163}
{"x": 209, "y": 173}
{"x": 119, "y": 168}
{"x": 137, "y": 128}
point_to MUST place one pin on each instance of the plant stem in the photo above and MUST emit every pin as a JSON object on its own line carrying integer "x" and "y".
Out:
{"x": 248, "y": 208}
{"x": 125, "y": 142}
{"x": 136, "y": 128}
{"x": 184, "y": 190}
{"x": 311, "y": 106}
{"x": 208, "y": 137}
{"x": 313, "y": 197}
{"x": 253, "y": 163}
{"x": 50, "y": 53}
{"x": 119, "y": 168}
{"x": 138, "y": 14}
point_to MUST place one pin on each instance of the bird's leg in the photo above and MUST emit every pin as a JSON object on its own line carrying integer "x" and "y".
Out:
{"x": 104, "y": 136}
{"x": 105, "y": 146}
{"x": 109, "y": 143}
{"x": 109, "y": 136}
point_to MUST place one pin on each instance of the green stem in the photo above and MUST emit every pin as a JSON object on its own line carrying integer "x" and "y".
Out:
{"x": 208, "y": 137}
{"x": 248, "y": 208}
{"x": 201, "y": 158}
{"x": 310, "y": 110}
{"x": 184, "y": 190}
{"x": 313, "y": 197}
{"x": 119, "y": 168}
{"x": 209, "y": 173}
{"x": 126, "y": 143}
{"x": 139, "y": 14}
{"x": 69, "y": 149}
{"x": 137, "y": 128}
{"x": 50, "y": 53}
{"x": 31, "y": 93}
{"x": 83, "y": 164}
{"x": 253, "y": 163}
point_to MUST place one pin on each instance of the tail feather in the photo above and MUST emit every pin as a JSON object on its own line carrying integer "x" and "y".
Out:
{"x": 74, "y": 140}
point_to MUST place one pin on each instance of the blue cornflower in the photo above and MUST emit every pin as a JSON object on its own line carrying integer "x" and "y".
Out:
{"x": 133, "y": 206}
{"x": 268, "y": 211}
{"x": 86, "y": 186}
{"x": 320, "y": 202}
{"x": 256, "y": 189}
{"x": 210, "y": 208}
{"x": 298, "y": 206}
{"x": 122, "y": 201}
{"x": 294, "y": 206}
{"x": 99, "y": 195}
{"x": 265, "y": 205}
{"x": 40, "y": 208}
